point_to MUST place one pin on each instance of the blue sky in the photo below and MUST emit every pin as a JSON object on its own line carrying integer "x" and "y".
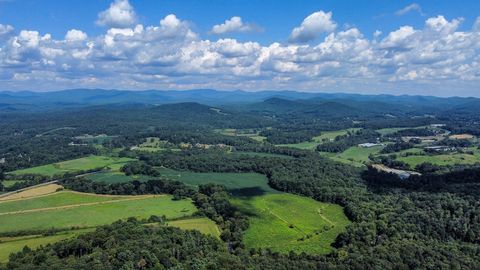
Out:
{"x": 412, "y": 47}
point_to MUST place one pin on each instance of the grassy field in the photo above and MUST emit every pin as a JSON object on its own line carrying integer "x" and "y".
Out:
{"x": 98, "y": 139}
{"x": 441, "y": 160}
{"x": 286, "y": 222}
{"x": 71, "y": 210}
{"x": 356, "y": 156}
{"x": 203, "y": 225}
{"x": 250, "y": 133}
{"x": 112, "y": 177}
{"x": 154, "y": 144}
{"x": 9, "y": 183}
{"x": 241, "y": 184}
{"x": 85, "y": 163}
{"x": 315, "y": 141}
{"x": 388, "y": 131}
{"x": 15, "y": 244}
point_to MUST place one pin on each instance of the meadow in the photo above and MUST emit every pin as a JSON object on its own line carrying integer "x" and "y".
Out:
{"x": 112, "y": 177}
{"x": 240, "y": 184}
{"x": 286, "y": 222}
{"x": 154, "y": 144}
{"x": 67, "y": 209}
{"x": 15, "y": 244}
{"x": 315, "y": 141}
{"x": 75, "y": 165}
{"x": 201, "y": 224}
{"x": 441, "y": 160}
{"x": 356, "y": 156}
{"x": 250, "y": 133}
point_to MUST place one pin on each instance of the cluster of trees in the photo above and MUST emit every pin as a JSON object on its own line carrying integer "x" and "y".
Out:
{"x": 133, "y": 168}
{"x": 415, "y": 132}
{"x": 396, "y": 147}
{"x": 342, "y": 143}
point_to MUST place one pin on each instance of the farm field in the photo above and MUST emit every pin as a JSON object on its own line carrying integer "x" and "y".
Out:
{"x": 203, "y": 225}
{"x": 441, "y": 160}
{"x": 70, "y": 210}
{"x": 315, "y": 141}
{"x": 15, "y": 244}
{"x": 285, "y": 222}
{"x": 250, "y": 133}
{"x": 31, "y": 192}
{"x": 356, "y": 156}
{"x": 240, "y": 184}
{"x": 112, "y": 177}
{"x": 85, "y": 163}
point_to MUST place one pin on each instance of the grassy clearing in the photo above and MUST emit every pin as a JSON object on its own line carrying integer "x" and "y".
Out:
{"x": 203, "y": 225}
{"x": 85, "y": 163}
{"x": 15, "y": 244}
{"x": 441, "y": 160}
{"x": 91, "y": 214}
{"x": 113, "y": 177}
{"x": 286, "y": 222}
{"x": 33, "y": 192}
{"x": 388, "y": 131}
{"x": 324, "y": 137}
{"x": 154, "y": 144}
{"x": 9, "y": 183}
{"x": 61, "y": 198}
{"x": 356, "y": 156}
{"x": 242, "y": 184}
{"x": 98, "y": 139}
{"x": 250, "y": 133}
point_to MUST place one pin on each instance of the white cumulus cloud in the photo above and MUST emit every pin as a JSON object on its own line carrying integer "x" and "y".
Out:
{"x": 120, "y": 14}
{"x": 234, "y": 24}
{"x": 313, "y": 25}
{"x": 75, "y": 35}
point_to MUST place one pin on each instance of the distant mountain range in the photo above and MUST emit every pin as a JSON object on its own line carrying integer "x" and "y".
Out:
{"x": 278, "y": 101}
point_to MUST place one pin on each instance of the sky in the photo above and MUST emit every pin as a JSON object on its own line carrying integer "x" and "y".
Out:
{"x": 377, "y": 46}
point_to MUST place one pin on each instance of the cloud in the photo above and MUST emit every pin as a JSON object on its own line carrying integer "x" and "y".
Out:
{"x": 313, "y": 25}
{"x": 412, "y": 7}
{"x": 120, "y": 14}
{"x": 170, "y": 55}
{"x": 234, "y": 24}
{"x": 75, "y": 35}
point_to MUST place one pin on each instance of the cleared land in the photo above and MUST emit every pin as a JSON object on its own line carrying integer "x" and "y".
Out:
{"x": 356, "y": 156}
{"x": 250, "y": 133}
{"x": 154, "y": 144}
{"x": 239, "y": 184}
{"x": 324, "y": 137}
{"x": 286, "y": 222}
{"x": 9, "y": 183}
{"x": 113, "y": 177}
{"x": 70, "y": 210}
{"x": 203, "y": 225}
{"x": 15, "y": 244}
{"x": 441, "y": 160}
{"x": 86, "y": 163}
{"x": 32, "y": 192}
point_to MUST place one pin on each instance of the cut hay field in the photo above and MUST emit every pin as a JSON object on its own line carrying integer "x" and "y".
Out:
{"x": 315, "y": 141}
{"x": 239, "y": 184}
{"x": 286, "y": 222}
{"x": 31, "y": 192}
{"x": 67, "y": 209}
{"x": 75, "y": 165}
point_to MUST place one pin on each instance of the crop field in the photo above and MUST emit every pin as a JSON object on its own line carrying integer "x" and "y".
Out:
{"x": 285, "y": 222}
{"x": 15, "y": 244}
{"x": 241, "y": 184}
{"x": 441, "y": 160}
{"x": 85, "y": 163}
{"x": 324, "y": 137}
{"x": 86, "y": 210}
{"x": 203, "y": 225}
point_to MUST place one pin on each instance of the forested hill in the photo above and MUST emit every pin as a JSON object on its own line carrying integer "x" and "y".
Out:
{"x": 30, "y": 100}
